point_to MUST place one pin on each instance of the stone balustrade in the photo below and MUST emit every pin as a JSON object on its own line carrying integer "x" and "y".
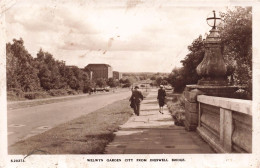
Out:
{"x": 225, "y": 123}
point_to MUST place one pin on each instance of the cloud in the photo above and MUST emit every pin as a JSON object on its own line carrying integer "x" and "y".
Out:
{"x": 92, "y": 42}
{"x": 150, "y": 37}
{"x": 132, "y": 3}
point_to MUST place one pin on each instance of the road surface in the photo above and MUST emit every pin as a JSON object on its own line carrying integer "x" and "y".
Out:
{"x": 29, "y": 121}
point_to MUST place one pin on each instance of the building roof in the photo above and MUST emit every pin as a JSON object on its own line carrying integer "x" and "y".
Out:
{"x": 93, "y": 65}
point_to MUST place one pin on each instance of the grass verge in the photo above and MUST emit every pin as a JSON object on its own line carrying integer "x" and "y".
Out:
{"x": 30, "y": 103}
{"x": 36, "y": 102}
{"x": 88, "y": 134}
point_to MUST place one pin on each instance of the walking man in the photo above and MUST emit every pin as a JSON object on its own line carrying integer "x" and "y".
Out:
{"x": 161, "y": 98}
{"x": 136, "y": 99}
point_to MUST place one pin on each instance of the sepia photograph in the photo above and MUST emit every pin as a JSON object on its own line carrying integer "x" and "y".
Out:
{"x": 112, "y": 83}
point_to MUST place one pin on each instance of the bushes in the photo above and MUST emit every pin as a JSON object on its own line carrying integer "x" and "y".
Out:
{"x": 40, "y": 75}
{"x": 35, "y": 95}
{"x": 176, "y": 107}
{"x": 242, "y": 94}
{"x": 72, "y": 92}
{"x": 17, "y": 94}
{"x": 62, "y": 92}
{"x": 57, "y": 92}
{"x": 182, "y": 100}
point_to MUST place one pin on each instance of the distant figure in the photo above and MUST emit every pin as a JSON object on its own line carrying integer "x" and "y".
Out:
{"x": 161, "y": 98}
{"x": 135, "y": 100}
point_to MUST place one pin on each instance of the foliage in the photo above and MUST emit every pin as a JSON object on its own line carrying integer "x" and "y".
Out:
{"x": 101, "y": 82}
{"x": 21, "y": 72}
{"x": 141, "y": 76}
{"x": 176, "y": 79}
{"x": 127, "y": 81}
{"x": 33, "y": 75}
{"x": 236, "y": 35}
{"x": 112, "y": 82}
{"x": 180, "y": 77}
{"x": 160, "y": 80}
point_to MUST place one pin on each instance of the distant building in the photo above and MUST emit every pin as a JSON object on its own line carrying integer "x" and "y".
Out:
{"x": 117, "y": 75}
{"x": 96, "y": 71}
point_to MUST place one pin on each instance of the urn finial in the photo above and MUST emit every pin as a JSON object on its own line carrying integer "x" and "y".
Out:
{"x": 212, "y": 69}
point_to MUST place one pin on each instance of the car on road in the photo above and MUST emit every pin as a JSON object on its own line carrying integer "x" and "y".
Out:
{"x": 103, "y": 89}
{"x": 168, "y": 87}
{"x": 107, "y": 89}
{"x": 142, "y": 85}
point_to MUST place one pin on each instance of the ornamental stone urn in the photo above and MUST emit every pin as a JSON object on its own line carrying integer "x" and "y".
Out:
{"x": 212, "y": 69}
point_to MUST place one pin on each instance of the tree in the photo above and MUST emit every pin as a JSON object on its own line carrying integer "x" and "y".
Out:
{"x": 153, "y": 78}
{"x": 11, "y": 69}
{"x": 164, "y": 82}
{"x": 158, "y": 81}
{"x": 192, "y": 60}
{"x": 45, "y": 77}
{"x": 112, "y": 82}
{"x": 49, "y": 73}
{"x": 236, "y": 35}
{"x": 101, "y": 82}
{"x": 180, "y": 77}
{"x": 25, "y": 71}
{"x": 128, "y": 81}
{"x": 63, "y": 76}
{"x": 176, "y": 79}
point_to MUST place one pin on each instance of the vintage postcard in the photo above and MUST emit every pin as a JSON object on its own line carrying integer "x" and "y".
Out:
{"x": 130, "y": 83}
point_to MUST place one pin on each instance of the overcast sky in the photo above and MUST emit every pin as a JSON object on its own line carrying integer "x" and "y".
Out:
{"x": 131, "y": 36}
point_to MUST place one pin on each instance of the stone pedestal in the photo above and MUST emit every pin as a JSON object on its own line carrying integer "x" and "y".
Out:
{"x": 191, "y": 109}
{"x": 219, "y": 91}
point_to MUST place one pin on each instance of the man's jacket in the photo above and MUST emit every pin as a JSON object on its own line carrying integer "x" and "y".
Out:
{"x": 136, "y": 97}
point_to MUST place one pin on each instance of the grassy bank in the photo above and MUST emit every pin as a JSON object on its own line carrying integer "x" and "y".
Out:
{"x": 18, "y": 95}
{"x": 30, "y": 103}
{"x": 87, "y": 134}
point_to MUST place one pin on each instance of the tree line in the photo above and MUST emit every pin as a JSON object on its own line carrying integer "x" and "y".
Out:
{"x": 236, "y": 44}
{"x": 31, "y": 77}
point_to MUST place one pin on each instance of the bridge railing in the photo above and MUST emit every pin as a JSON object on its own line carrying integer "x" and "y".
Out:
{"x": 225, "y": 123}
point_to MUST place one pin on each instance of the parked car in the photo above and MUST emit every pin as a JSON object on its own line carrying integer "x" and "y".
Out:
{"x": 168, "y": 87}
{"x": 142, "y": 85}
{"x": 99, "y": 89}
{"x": 107, "y": 89}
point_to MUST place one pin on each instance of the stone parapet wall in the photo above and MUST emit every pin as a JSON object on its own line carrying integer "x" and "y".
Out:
{"x": 226, "y": 124}
{"x": 209, "y": 118}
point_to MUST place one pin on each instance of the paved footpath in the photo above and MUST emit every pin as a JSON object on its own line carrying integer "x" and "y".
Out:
{"x": 155, "y": 133}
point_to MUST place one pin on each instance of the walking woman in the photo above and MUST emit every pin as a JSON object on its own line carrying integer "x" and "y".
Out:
{"x": 161, "y": 98}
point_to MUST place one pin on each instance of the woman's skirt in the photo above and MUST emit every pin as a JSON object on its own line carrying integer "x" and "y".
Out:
{"x": 161, "y": 102}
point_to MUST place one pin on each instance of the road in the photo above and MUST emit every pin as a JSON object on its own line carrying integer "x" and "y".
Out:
{"x": 29, "y": 121}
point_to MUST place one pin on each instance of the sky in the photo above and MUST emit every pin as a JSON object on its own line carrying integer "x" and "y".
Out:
{"x": 131, "y": 35}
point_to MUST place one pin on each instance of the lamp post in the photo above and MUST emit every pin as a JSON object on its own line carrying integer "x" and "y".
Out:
{"x": 212, "y": 69}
